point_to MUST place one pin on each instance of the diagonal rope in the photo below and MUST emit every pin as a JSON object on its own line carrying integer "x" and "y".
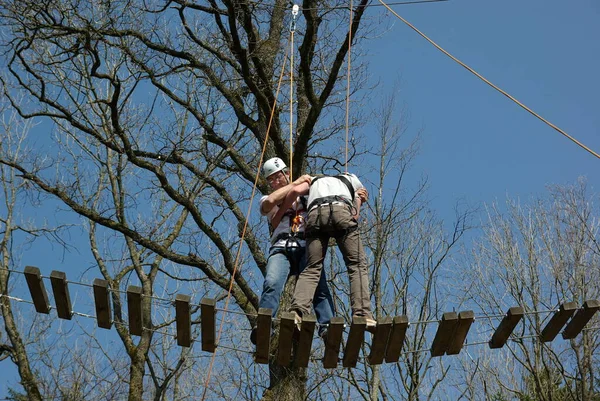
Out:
{"x": 239, "y": 251}
{"x": 490, "y": 83}
{"x": 348, "y": 83}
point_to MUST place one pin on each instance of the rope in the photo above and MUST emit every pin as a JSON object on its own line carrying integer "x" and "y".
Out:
{"x": 348, "y": 82}
{"x": 237, "y": 258}
{"x": 490, "y": 83}
{"x": 295, "y": 9}
{"x": 263, "y": 6}
{"x": 291, "y": 107}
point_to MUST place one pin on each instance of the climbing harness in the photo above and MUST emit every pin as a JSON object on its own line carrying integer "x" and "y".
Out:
{"x": 336, "y": 198}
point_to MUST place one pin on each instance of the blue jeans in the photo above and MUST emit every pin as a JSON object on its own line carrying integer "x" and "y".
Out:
{"x": 278, "y": 269}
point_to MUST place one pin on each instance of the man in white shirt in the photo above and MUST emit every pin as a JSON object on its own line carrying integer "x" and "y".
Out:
{"x": 333, "y": 207}
{"x": 287, "y": 254}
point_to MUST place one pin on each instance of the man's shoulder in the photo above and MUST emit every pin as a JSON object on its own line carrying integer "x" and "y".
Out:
{"x": 260, "y": 204}
{"x": 354, "y": 180}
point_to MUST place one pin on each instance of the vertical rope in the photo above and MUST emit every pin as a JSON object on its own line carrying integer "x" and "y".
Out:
{"x": 348, "y": 83}
{"x": 291, "y": 104}
{"x": 295, "y": 10}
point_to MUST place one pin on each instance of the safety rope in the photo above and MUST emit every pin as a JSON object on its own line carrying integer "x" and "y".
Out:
{"x": 239, "y": 251}
{"x": 297, "y": 220}
{"x": 348, "y": 82}
{"x": 490, "y": 83}
{"x": 295, "y": 9}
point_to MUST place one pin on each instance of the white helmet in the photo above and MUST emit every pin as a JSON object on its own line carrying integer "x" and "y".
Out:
{"x": 272, "y": 166}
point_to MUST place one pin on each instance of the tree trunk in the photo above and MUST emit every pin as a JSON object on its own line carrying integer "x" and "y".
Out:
{"x": 136, "y": 376}
{"x": 18, "y": 352}
{"x": 286, "y": 383}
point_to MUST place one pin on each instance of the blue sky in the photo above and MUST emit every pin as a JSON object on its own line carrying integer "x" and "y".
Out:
{"x": 478, "y": 145}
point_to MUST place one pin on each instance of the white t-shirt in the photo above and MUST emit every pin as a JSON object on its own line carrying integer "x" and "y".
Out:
{"x": 284, "y": 225}
{"x": 332, "y": 186}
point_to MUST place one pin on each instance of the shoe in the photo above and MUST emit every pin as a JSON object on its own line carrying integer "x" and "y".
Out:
{"x": 371, "y": 325}
{"x": 297, "y": 321}
{"x": 253, "y": 336}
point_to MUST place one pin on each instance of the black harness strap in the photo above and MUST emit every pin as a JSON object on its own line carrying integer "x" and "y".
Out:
{"x": 328, "y": 200}
{"x": 346, "y": 181}
{"x": 286, "y": 236}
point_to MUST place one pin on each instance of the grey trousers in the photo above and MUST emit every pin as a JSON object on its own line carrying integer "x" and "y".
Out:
{"x": 324, "y": 222}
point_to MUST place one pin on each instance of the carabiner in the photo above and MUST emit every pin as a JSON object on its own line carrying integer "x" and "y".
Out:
{"x": 296, "y": 222}
{"x": 295, "y": 10}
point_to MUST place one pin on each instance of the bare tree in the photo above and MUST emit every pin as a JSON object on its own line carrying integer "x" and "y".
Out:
{"x": 11, "y": 224}
{"x": 538, "y": 256}
{"x": 157, "y": 113}
{"x": 411, "y": 249}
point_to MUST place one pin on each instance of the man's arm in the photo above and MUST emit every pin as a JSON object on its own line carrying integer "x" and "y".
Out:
{"x": 277, "y": 196}
{"x": 293, "y": 194}
{"x": 361, "y": 197}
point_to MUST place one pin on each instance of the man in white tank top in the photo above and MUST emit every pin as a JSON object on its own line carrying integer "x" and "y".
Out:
{"x": 333, "y": 207}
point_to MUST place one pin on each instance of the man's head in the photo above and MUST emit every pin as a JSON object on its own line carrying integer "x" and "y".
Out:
{"x": 276, "y": 173}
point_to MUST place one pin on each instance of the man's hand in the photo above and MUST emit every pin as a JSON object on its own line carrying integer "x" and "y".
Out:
{"x": 293, "y": 194}
{"x": 300, "y": 180}
{"x": 363, "y": 195}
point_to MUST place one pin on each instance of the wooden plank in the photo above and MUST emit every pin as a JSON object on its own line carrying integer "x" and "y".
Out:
{"x": 380, "y": 340}
{"x": 39, "y": 296}
{"x": 333, "y": 342}
{"x": 396, "y": 340}
{"x": 581, "y": 318}
{"x": 60, "y": 289}
{"x": 263, "y": 335}
{"x": 444, "y": 333}
{"x": 183, "y": 320}
{"x": 305, "y": 341}
{"x": 286, "y": 333}
{"x": 506, "y": 327}
{"x": 355, "y": 340}
{"x": 134, "y": 309}
{"x": 207, "y": 324}
{"x": 465, "y": 319}
{"x": 102, "y": 301}
{"x": 557, "y": 321}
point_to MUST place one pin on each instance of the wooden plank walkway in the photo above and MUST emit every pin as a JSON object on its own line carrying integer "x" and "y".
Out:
{"x": 506, "y": 327}
{"x": 39, "y": 296}
{"x": 296, "y": 347}
{"x": 263, "y": 335}
{"x": 207, "y": 324}
{"x": 61, "y": 294}
{"x": 333, "y": 342}
{"x": 102, "y": 303}
{"x": 558, "y": 320}
{"x": 183, "y": 320}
